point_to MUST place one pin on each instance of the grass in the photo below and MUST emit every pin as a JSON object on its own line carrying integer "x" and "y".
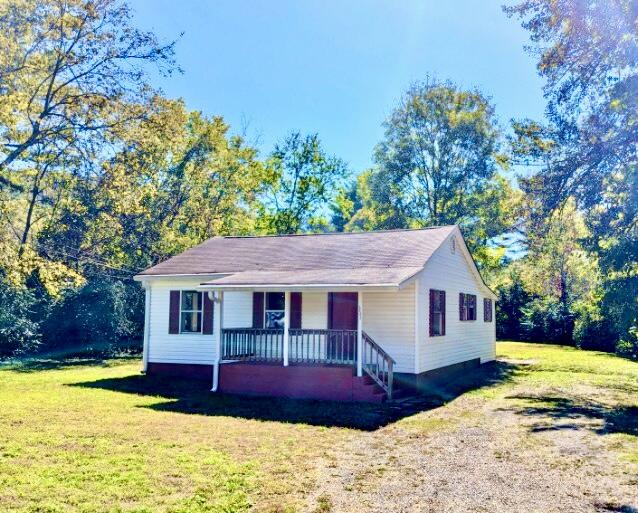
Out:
{"x": 95, "y": 436}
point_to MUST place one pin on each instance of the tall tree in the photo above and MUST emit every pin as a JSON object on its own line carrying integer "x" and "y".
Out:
{"x": 588, "y": 149}
{"x": 438, "y": 164}
{"x": 178, "y": 179}
{"x": 72, "y": 80}
{"x": 303, "y": 179}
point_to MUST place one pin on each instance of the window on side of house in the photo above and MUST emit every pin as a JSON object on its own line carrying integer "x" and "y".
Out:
{"x": 190, "y": 314}
{"x": 487, "y": 310}
{"x": 274, "y": 311}
{"x": 437, "y": 313}
{"x": 467, "y": 307}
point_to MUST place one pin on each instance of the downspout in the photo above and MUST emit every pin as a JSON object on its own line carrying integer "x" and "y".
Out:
{"x": 217, "y": 331}
{"x": 147, "y": 325}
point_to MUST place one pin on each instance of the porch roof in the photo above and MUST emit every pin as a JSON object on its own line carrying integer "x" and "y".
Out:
{"x": 316, "y": 278}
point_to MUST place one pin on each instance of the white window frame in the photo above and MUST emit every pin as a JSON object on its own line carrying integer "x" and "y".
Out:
{"x": 266, "y": 309}
{"x": 201, "y": 311}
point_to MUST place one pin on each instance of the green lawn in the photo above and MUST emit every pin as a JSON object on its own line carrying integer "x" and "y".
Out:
{"x": 98, "y": 436}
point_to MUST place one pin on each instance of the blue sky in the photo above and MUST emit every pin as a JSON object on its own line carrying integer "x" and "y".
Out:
{"x": 337, "y": 67}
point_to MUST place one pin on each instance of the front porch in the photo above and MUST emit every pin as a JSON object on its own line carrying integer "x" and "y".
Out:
{"x": 310, "y": 347}
{"x": 329, "y": 361}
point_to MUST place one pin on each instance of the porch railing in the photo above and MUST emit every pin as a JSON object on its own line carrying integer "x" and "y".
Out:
{"x": 309, "y": 346}
{"x": 323, "y": 346}
{"x": 305, "y": 346}
{"x": 378, "y": 364}
{"x": 253, "y": 344}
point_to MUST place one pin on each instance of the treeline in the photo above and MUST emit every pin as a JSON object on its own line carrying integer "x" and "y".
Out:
{"x": 102, "y": 176}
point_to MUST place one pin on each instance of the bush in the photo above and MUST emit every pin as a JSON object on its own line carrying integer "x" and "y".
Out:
{"x": 509, "y": 310}
{"x": 101, "y": 317}
{"x": 628, "y": 346}
{"x": 548, "y": 320}
{"x": 19, "y": 326}
{"x": 592, "y": 331}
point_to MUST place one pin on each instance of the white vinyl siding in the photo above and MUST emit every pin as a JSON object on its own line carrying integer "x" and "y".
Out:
{"x": 238, "y": 309}
{"x": 388, "y": 317}
{"x": 463, "y": 340}
{"x": 182, "y": 348}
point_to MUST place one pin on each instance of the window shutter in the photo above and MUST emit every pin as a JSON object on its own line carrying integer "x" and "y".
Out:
{"x": 431, "y": 313}
{"x": 258, "y": 309}
{"x": 207, "y": 315}
{"x": 173, "y": 313}
{"x": 442, "y": 312}
{"x": 461, "y": 306}
{"x": 295, "y": 310}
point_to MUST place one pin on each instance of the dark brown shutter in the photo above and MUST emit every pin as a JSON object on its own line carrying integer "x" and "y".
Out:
{"x": 173, "y": 313}
{"x": 258, "y": 309}
{"x": 207, "y": 314}
{"x": 295, "y": 310}
{"x": 461, "y": 306}
{"x": 442, "y": 312}
{"x": 431, "y": 313}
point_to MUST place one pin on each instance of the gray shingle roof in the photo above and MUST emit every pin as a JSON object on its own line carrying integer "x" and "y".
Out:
{"x": 382, "y": 257}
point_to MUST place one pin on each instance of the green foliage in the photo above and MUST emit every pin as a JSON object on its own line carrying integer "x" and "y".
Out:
{"x": 628, "y": 346}
{"x": 512, "y": 299}
{"x": 97, "y": 318}
{"x": 19, "y": 328}
{"x": 587, "y": 150}
{"x": 548, "y": 320}
{"x": 302, "y": 179}
{"x": 437, "y": 164}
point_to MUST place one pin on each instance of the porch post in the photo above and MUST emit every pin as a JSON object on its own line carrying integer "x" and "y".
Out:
{"x": 286, "y": 326}
{"x": 218, "y": 320}
{"x": 359, "y": 334}
{"x": 147, "y": 324}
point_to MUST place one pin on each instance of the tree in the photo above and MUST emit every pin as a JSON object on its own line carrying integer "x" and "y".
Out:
{"x": 588, "y": 150}
{"x": 69, "y": 64}
{"x": 437, "y": 165}
{"x": 72, "y": 80}
{"x": 302, "y": 179}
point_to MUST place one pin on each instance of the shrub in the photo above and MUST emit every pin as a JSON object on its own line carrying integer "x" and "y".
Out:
{"x": 100, "y": 317}
{"x": 548, "y": 320}
{"x": 628, "y": 346}
{"x": 19, "y": 327}
{"x": 593, "y": 331}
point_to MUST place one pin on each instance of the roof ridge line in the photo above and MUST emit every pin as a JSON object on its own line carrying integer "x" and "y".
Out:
{"x": 284, "y": 235}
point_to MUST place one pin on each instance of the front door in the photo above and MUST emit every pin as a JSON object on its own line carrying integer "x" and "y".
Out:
{"x": 342, "y": 315}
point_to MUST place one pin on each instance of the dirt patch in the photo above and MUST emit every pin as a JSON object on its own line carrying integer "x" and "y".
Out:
{"x": 475, "y": 455}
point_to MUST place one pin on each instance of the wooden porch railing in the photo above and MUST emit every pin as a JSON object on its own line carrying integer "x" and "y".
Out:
{"x": 378, "y": 364}
{"x": 253, "y": 344}
{"x": 308, "y": 346}
{"x": 323, "y": 346}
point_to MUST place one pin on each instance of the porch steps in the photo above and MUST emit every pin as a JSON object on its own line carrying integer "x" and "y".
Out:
{"x": 365, "y": 389}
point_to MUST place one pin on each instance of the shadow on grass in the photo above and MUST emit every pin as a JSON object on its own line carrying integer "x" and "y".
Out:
{"x": 567, "y": 414}
{"x": 44, "y": 364}
{"x": 194, "y": 397}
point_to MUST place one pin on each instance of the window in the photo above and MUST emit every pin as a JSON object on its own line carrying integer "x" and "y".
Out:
{"x": 467, "y": 307}
{"x": 274, "y": 311}
{"x": 437, "y": 313}
{"x": 190, "y": 315}
{"x": 487, "y": 310}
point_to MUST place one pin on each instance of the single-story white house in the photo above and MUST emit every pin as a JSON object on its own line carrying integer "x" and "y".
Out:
{"x": 343, "y": 316}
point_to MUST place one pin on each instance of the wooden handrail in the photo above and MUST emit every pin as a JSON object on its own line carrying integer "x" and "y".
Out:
{"x": 378, "y": 364}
